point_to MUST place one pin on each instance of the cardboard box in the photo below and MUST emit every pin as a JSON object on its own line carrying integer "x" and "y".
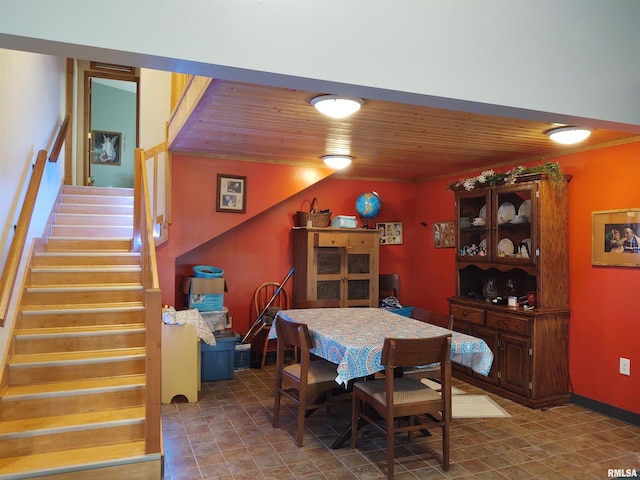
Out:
{"x": 205, "y": 294}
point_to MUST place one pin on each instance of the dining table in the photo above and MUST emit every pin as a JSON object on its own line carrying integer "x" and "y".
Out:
{"x": 353, "y": 338}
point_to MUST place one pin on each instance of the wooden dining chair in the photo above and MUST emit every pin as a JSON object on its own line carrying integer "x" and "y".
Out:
{"x": 432, "y": 372}
{"x": 324, "y": 303}
{"x": 389, "y": 285}
{"x": 398, "y": 398}
{"x": 261, "y": 297}
{"x": 303, "y": 382}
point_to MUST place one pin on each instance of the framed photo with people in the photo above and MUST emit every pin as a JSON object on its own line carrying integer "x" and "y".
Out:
{"x": 444, "y": 234}
{"x": 390, "y": 233}
{"x": 107, "y": 147}
{"x": 232, "y": 194}
{"x": 616, "y": 238}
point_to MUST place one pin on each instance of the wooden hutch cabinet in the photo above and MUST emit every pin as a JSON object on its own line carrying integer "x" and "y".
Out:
{"x": 336, "y": 263}
{"x": 511, "y": 240}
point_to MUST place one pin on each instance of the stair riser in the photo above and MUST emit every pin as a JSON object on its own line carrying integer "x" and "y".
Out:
{"x": 25, "y": 375}
{"x": 96, "y": 200}
{"x": 51, "y": 320}
{"x": 89, "y": 219}
{"x": 79, "y": 276}
{"x": 56, "y": 442}
{"x": 85, "y": 260}
{"x": 27, "y": 345}
{"x": 82, "y": 297}
{"x": 92, "y": 231}
{"x": 74, "y": 245}
{"x": 96, "y": 209}
{"x": 100, "y": 191}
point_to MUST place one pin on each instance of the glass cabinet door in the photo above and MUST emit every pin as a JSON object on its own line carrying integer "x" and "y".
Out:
{"x": 514, "y": 214}
{"x": 474, "y": 220}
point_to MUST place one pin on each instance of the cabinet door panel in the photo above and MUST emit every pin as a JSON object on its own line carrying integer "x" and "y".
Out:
{"x": 358, "y": 263}
{"x": 491, "y": 339}
{"x": 328, "y": 290}
{"x": 515, "y": 364}
{"x": 329, "y": 262}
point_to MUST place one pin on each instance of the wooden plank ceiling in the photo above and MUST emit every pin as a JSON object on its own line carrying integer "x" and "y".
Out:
{"x": 387, "y": 140}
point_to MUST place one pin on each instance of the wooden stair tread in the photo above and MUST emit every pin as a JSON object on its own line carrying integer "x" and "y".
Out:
{"x": 79, "y": 330}
{"x": 86, "y": 355}
{"x": 84, "y": 287}
{"x": 85, "y": 268}
{"x": 53, "y": 462}
{"x": 85, "y": 421}
{"x": 38, "y": 389}
{"x": 81, "y": 308}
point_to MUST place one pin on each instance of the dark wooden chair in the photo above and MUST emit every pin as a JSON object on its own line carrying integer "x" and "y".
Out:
{"x": 398, "y": 398}
{"x": 389, "y": 285}
{"x": 305, "y": 382}
{"x": 431, "y": 372}
{"x": 325, "y": 303}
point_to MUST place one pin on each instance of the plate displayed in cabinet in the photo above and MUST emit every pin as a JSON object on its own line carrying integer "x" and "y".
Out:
{"x": 506, "y": 212}
{"x": 506, "y": 247}
{"x": 483, "y": 245}
{"x": 525, "y": 209}
{"x": 483, "y": 212}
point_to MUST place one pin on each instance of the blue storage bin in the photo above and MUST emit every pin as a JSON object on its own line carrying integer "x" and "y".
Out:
{"x": 217, "y": 361}
{"x": 404, "y": 311}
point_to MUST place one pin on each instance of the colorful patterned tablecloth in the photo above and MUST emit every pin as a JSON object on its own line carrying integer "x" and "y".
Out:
{"x": 353, "y": 338}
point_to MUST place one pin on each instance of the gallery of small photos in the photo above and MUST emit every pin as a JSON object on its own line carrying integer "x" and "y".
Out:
{"x": 390, "y": 233}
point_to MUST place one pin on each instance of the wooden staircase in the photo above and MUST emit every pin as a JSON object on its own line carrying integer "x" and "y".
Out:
{"x": 73, "y": 395}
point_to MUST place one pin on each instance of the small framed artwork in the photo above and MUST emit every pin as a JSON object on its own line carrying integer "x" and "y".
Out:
{"x": 106, "y": 147}
{"x": 616, "y": 238}
{"x": 444, "y": 235}
{"x": 390, "y": 233}
{"x": 232, "y": 194}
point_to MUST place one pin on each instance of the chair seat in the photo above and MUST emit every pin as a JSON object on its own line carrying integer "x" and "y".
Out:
{"x": 320, "y": 371}
{"x": 406, "y": 391}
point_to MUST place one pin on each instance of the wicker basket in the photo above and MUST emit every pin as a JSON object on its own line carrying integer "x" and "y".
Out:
{"x": 318, "y": 218}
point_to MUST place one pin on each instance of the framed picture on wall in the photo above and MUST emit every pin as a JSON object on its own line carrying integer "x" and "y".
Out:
{"x": 390, "y": 233}
{"x": 106, "y": 147}
{"x": 232, "y": 194}
{"x": 444, "y": 235}
{"x": 616, "y": 238}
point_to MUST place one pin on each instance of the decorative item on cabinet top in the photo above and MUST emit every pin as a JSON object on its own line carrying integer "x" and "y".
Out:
{"x": 314, "y": 217}
{"x": 492, "y": 178}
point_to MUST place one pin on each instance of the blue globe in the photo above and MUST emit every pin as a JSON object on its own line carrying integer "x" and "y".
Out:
{"x": 368, "y": 206}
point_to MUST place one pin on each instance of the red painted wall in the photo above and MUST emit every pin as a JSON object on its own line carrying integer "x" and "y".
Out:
{"x": 256, "y": 247}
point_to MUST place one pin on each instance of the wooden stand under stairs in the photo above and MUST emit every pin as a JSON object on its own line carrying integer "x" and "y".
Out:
{"x": 73, "y": 391}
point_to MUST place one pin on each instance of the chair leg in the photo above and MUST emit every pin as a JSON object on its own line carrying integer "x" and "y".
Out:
{"x": 276, "y": 408}
{"x": 354, "y": 420}
{"x": 390, "y": 447}
{"x": 445, "y": 446}
{"x": 264, "y": 352}
{"x": 301, "y": 415}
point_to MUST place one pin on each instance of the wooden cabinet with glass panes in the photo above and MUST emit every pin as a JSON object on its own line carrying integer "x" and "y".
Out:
{"x": 336, "y": 264}
{"x": 512, "y": 242}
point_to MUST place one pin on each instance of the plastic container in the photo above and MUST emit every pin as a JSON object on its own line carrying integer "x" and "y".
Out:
{"x": 404, "y": 311}
{"x": 207, "y": 271}
{"x": 243, "y": 356}
{"x": 217, "y": 361}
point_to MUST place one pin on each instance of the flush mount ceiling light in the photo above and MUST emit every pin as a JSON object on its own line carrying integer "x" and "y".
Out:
{"x": 568, "y": 135}
{"x": 337, "y": 161}
{"x": 335, "y": 106}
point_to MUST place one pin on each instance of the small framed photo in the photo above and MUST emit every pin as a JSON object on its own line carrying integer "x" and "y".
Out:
{"x": 616, "y": 238}
{"x": 107, "y": 147}
{"x": 444, "y": 235}
{"x": 232, "y": 194}
{"x": 390, "y": 233}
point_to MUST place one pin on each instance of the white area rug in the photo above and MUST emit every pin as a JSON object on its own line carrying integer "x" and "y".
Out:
{"x": 476, "y": 406}
{"x": 470, "y": 406}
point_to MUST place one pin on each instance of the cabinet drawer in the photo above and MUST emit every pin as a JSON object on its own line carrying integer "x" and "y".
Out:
{"x": 362, "y": 240}
{"x": 468, "y": 314}
{"x": 330, "y": 239}
{"x": 508, "y": 323}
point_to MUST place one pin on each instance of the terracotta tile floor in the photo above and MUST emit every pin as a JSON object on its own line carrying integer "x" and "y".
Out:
{"x": 227, "y": 435}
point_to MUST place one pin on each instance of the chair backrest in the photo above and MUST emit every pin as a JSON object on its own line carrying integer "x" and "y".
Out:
{"x": 325, "y": 303}
{"x": 265, "y": 292}
{"x": 293, "y": 333}
{"x": 411, "y": 352}
{"x": 389, "y": 285}
{"x": 433, "y": 318}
